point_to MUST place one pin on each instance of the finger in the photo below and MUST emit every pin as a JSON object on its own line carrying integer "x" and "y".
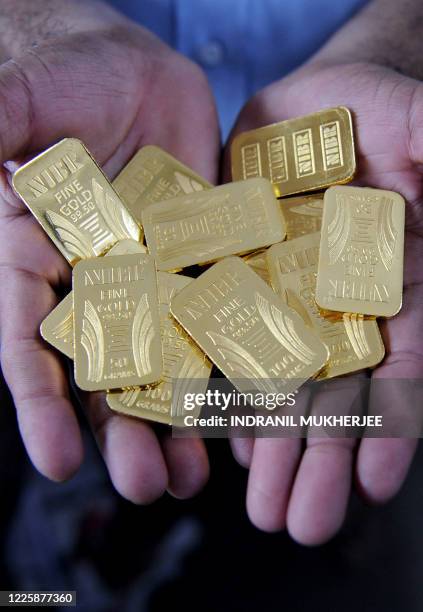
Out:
{"x": 242, "y": 450}
{"x": 322, "y": 486}
{"x": 36, "y": 377}
{"x": 273, "y": 467}
{"x": 130, "y": 450}
{"x": 187, "y": 464}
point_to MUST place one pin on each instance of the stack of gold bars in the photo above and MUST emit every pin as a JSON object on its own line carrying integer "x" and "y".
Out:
{"x": 293, "y": 285}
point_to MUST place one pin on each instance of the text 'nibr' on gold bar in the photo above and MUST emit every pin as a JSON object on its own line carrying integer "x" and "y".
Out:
{"x": 208, "y": 225}
{"x": 116, "y": 323}
{"x": 74, "y": 202}
{"x": 303, "y": 215}
{"x": 57, "y": 327}
{"x": 185, "y": 368}
{"x": 153, "y": 175}
{"x": 354, "y": 343}
{"x": 298, "y": 155}
{"x": 247, "y": 331}
{"x": 361, "y": 251}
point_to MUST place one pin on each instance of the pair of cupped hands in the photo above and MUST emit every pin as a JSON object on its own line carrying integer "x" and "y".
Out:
{"x": 101, "y": 78}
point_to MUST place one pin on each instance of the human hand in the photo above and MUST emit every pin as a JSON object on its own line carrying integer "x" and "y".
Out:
{"x": 80, "y": 69}
{"x": 308, "y": 491}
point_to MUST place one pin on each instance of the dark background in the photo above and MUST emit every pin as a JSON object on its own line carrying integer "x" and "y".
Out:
{"x": 201, "y": 554}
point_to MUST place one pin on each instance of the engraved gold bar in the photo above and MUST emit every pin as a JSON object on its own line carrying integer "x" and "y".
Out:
{"x": 186, "y": 369}
{"x": 303, "y": 215}
{"x": 298, "y": 155}
{"x": 153, "y": 175}
{"x": 57, "y": 327}
{"x": 354, "y": 343}
{"x": 247, "y": 330}
{"x": 74, "y": 202}
{"x": 361, "y": 251}
{"x": 116, "y": 322}
{"x": 208, "y": 225}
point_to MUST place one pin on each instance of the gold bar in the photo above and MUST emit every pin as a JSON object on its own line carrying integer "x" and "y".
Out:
{"x": 153, "y": 175}
{"x": 361, "y": 251}
{"x": 303, "y": 215}
{"x": 257, "y": 261}
{"x": 354, "y": 343}
{"x": 298, "y": 155}
{"x": 74, "y": 202}
{"x": 57, "y": 327}
{"x": 247, "y": 331}
{"x": 116, "y": 322}
{"x": 185, "y": 368}
{"x": 208, "y": 225}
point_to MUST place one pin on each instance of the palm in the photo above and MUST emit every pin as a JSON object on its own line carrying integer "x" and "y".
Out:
{"x": 108, "y": 88}
{"x": 311, "y": 493}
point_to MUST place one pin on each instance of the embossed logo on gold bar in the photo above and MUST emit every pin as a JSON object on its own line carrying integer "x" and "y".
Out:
{"x": 298, "y": 155}
{"x": 246, "y": 330}
{"x": 116, "y": 324}
{"x": 353, "y": 343}
{"x": 74, "y": 202}
{"x": 203, "y": 227}
{"x": 153, "y": 175}
{"x": 361, "y": 259}
{"x": 303, "y": 215}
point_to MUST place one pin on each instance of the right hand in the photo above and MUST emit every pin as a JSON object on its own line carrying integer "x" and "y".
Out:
{"x": 93, "y": 75}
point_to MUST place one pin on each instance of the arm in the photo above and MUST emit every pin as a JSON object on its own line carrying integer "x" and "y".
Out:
{"x": 357, "y": 68}
{"x": 80, "y": 69}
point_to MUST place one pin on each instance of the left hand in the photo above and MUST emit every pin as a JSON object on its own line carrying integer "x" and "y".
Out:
{"x": 308, "y": 491}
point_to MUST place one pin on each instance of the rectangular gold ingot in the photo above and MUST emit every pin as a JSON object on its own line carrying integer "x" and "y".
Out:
{"x": 247, "y": 330}
{"x": 153, "y": 175}
{"x": 116, "y": 322}
{"x": 74, "y": 202}
{"x": 361, "y": 251}
{"x": 208, "y": 225}
{"x": 185, "y": 368}
{"x": 57, "y": 327}
{"x": 298, "y": 155}
{"x": 354, "y": 343}
{"x": 303, "y": 215}
{"x": 257, "y": 261}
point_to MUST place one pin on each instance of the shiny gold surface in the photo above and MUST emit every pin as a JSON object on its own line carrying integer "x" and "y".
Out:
{"x": 303, "y": 215}
{"x": 298, "y": 155}
{"x": 74, "y": 202}
{"x": 57, "y": 327}
{"x": 354, "y": 343}
{"x": 153, "y": 175}
{"x": 247, "y": 330}
{"x": 257, "y": 261}
{"x": 361, "y": 251}
{"x": 185, "y": 368}
{"x": 116, "y": 322}
{"x": 209, "y": 225}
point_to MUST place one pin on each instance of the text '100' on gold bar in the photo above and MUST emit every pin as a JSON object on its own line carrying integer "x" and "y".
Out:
{"x": 116, "y": 323}
{"x": 208, "y": 225}
{"x": 247, "y": 331}
{"x": 354, "y": 343}
{"x": 298, "y": 155}
{"x": 361, "y": 251}
{"x": 74, "y": 202}
{"x": 153, "y": 175}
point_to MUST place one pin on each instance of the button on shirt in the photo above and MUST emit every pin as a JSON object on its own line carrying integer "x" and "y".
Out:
{"x": 242, "y": 45}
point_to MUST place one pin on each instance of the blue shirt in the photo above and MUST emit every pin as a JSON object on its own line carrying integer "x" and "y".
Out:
{"x": 242, "y": 45}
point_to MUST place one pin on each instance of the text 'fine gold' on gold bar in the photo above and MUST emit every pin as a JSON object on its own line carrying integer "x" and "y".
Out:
{"x": 361, "y": 251}
{"x": 116, "y": 323}
{"x": 247, "y": 330}
{"x": 74, "y": 202}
